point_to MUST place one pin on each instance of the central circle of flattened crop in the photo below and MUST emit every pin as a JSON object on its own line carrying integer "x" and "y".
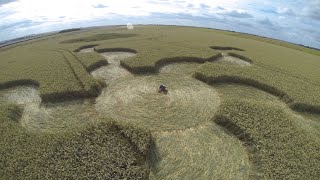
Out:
{"x": 136, "y": 100}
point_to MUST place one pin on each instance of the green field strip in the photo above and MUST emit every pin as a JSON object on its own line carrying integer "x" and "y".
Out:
{"x": 299, "y": 99}
{"x": 91, "y": 60}
{"x": 75, "y": 57}
{"x": 282, "y": 71}
{"x": 275, "y": 42}
{"x": 86, "y": 81}
{"x": 71, "y": 63}
{"x": 47, "y": 69}
{"x": 280, "y": 148}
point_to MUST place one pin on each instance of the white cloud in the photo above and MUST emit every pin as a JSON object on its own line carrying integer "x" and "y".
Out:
{"x": 237, "y": 13}
{"x": 285, "y": 11}
{"x": 72, "y": 9}
{"x": 31, "y": 16}
{"x": 84, "y": 9}
{"x": 312, "y": 10}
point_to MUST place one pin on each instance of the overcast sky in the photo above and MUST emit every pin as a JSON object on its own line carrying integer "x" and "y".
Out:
{"x": 296, "y": 21}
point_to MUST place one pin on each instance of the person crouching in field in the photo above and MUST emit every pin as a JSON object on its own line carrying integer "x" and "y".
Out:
{"x": 163, "y": 89}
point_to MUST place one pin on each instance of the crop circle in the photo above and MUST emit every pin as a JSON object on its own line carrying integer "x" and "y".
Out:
{"x": 136, "y": 99}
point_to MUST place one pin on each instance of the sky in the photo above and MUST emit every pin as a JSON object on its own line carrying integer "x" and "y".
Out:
{"x": 296, "y": 21}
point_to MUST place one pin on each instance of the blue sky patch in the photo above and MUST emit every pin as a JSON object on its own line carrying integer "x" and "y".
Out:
{"x": 295, "y": 21}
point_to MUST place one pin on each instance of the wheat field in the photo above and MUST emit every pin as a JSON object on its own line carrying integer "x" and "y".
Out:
{"x": 85, "y": 104}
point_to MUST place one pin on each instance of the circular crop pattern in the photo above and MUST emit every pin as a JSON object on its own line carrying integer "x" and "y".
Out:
{"x": 188, "y": 103}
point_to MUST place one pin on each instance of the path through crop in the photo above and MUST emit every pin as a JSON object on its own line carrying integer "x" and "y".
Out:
{"x": 112, "y": 71}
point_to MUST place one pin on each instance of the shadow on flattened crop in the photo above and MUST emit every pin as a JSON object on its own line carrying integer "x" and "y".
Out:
{"x": 49, "y": 117}
{"x": 225, "y": 48}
